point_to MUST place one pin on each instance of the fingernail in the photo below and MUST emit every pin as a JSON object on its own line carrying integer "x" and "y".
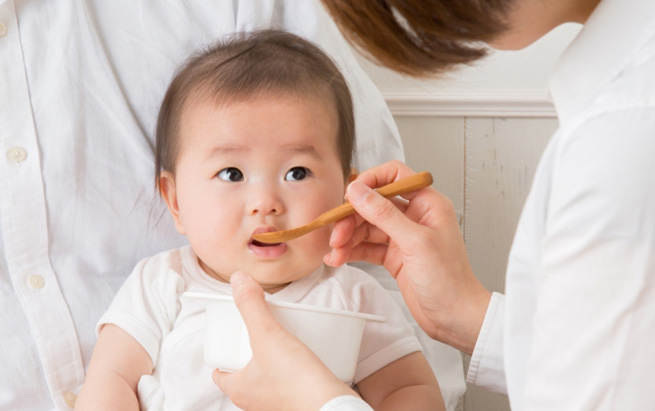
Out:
{"x": 357, "y": 191}
{"x": 332, "y": 238}
{"x": 237, "y": 278}
{"x": 327, "y": 258}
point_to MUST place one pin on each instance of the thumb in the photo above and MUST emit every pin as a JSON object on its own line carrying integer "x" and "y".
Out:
{"x": 249, "y": 299}
{"x": 223, "y": 380}
{"x": 378, "y": 211}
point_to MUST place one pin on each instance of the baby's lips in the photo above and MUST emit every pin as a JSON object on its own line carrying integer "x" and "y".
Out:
{"x": 263, "y": 229}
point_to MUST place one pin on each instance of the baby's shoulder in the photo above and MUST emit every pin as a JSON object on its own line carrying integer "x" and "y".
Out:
{"x": 165, "y": 269}
{"x": 168, "y": 258}
{"x": 355, "y": 286}
{"x": 348, "y": 277}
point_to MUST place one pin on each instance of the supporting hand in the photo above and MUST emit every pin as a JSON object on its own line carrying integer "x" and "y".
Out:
{"x": 283, "y": 373}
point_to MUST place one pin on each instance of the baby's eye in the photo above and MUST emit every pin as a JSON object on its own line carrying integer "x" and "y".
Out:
{"x": 231, "y": 174}
{"x": 297, "y": 174}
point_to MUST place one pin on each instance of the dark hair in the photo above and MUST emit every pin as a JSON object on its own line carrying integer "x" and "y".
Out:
{"x": 269, "y": 63}
{"x": 420, "y": 37}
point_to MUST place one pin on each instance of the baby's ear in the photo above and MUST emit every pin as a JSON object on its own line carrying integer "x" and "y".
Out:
{"x": 353, "y": 175}
{"x": 169, "y": 194}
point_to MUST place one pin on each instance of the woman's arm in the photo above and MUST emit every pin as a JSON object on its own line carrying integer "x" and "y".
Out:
{"x": 407, "y": 383}
{"x": 117, "y": 364}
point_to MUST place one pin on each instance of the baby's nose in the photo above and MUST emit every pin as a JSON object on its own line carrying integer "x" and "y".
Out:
{"x": 266, "y": 201}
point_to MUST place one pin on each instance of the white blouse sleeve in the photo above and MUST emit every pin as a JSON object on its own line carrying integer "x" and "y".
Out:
{"x": 593, "y": 326}
{"x": 487, "y": 365}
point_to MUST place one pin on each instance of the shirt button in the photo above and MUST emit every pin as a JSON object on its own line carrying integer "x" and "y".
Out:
{"x": 35, "y": 281}
{"x": 16, "y": 154}
{"x": 70, "y": 399}
{"x": 3, "y": 29}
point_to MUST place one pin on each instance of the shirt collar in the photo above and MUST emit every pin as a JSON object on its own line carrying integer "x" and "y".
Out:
{"x": 299, "y": 288}
{"x": 291, "y": 293}
{"x": 614, "y": 34}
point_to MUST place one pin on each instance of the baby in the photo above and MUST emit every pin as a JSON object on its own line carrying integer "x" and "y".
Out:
{"x": 255, "y": 134}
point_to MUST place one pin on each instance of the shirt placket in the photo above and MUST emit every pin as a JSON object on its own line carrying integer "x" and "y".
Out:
{"x": 24, "y": 223}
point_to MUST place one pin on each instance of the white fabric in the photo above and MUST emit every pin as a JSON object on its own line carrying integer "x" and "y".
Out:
{"x": 170, "y": 327}
{"x": 346, "y": 403}
{"x": 81, "y": 82}
{"x": 486, "y": 367}
{"x": 580, "y": 307}
{"x": 446, "y": 362}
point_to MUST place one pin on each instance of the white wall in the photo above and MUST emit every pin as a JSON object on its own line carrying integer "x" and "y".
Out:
{"x": 485, "y": 165}
{"x": 505, "y": 83}
{"x": 481, "y": 132}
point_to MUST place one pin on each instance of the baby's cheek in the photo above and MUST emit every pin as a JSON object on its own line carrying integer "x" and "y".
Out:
{"x": 320, "y": 241}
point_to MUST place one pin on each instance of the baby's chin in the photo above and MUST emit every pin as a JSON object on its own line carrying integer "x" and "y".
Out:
{"x": 272, "y": 285}
{"x": 271, "y": 275}
{"x": 274, "y": 288}
{"x": 266, "y": 276}
{"x": 268, "y": 286}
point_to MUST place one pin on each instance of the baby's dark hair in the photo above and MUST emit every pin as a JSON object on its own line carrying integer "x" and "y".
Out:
{"x": 249, "y": 65}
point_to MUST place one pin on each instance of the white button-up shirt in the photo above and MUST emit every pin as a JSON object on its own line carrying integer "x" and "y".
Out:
{"x": 576, "y": 330}
{"x": 80, "y": 86}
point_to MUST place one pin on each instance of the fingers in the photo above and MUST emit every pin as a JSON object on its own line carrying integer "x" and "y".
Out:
{"x": 354, "y": 239}
{"x": 347, "y": 237}
{"x": 223, "y": 380}
{"x": 249, "y": 298}
{"x": 366, "y": 235}
{"x": 370, "y": 253}
{"x": 384, "y": 174}
{"x": 342, "y": 231}
{"x": 354, "y": 229}
{"x": 379, "y": 211}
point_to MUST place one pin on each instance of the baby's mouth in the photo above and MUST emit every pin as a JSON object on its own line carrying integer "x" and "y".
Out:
{"x": 260, "y": 244}
{"x": 263, "y": 230}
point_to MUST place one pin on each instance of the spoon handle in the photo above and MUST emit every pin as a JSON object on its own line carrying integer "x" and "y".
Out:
{"x": 402, "y": 186}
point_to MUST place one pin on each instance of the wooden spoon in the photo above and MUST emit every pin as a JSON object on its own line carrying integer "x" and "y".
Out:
{"x": 402, "y": 186}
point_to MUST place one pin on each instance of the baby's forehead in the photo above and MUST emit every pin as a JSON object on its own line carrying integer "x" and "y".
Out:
{"x": 225, "y": 96}
{"x": 257, "y": 108}
{"x": 202, "y": 99}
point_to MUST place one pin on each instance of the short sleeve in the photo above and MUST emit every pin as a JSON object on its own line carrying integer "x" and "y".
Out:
{"x": 382, "y": 342}
{"x": 145, "y": 306}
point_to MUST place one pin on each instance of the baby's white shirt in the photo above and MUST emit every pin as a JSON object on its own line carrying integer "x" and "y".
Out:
{"x": 171, "y": 327}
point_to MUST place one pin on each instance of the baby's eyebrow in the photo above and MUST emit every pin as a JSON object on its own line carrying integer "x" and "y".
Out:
{"x": 226, "y": 149}
{"x": 303, "y": 149}
{"x": 236, "y": 148}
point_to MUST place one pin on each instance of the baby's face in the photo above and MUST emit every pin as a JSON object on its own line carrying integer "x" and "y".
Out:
{"x": 262, "y": 165}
